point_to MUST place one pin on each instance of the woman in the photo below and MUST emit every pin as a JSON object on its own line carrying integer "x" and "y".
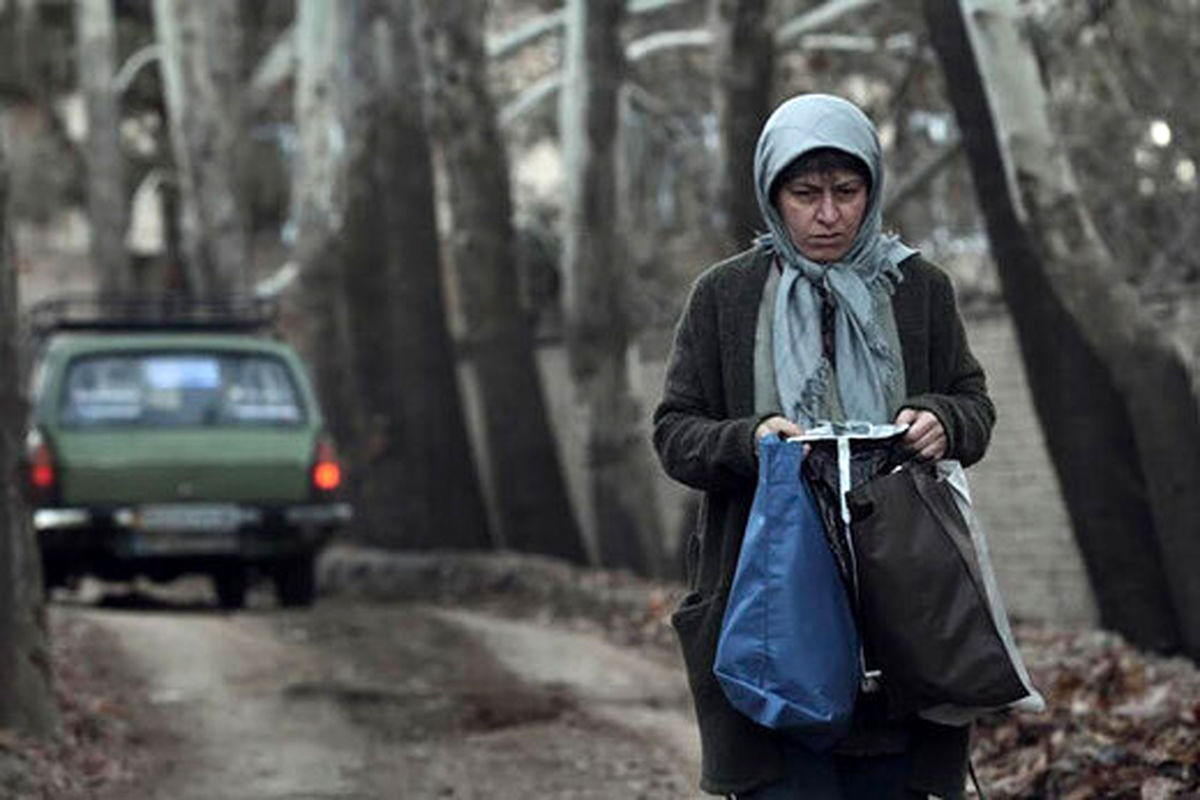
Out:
{"x": 826, "y": 317}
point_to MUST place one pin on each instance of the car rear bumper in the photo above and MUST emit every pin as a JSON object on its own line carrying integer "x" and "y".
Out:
{"x": 241, "y": 532}
{"x": 323, "y": 514}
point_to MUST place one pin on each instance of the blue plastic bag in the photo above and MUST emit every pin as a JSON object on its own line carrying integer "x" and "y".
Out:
{"x": 788, "y": 654}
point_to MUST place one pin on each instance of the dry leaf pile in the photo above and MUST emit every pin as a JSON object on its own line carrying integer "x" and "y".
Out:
{"x": 98, "y": 745}
{"x": 1119, "y": 723}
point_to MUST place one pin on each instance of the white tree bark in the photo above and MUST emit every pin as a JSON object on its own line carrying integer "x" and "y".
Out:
{"x": 1047, "y": 226}
{"x": 201, "y": 57}
{"x": 108, "y": 205}
{"x": 620, "y": 474}
{"x": 318, "y": 192}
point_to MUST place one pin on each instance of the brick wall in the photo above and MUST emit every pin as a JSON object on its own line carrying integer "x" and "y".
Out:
{"x": 1017, "y": 497}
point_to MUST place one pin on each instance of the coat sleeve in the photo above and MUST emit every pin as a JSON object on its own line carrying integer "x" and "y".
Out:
{"x": 697, "y": 443}
{"x": 958, "y": 393}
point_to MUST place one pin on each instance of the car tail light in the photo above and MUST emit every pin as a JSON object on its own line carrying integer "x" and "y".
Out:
{"x": 43, "y": 470}
{"x": 326, "y": 471}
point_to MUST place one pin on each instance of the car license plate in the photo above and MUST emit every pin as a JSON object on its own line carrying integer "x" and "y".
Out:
{"x": 185, "y": 518}
{"x": 189, "y": 543}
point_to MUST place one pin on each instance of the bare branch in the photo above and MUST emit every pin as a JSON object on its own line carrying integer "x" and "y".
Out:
{"x": 274, "y": 69}
{"x": 650, "y": 6}
{"x": 503, "y": 44}
{"x": 133, "y": 65}
{"x": 279, "y": 281}
{"x": 668, "y": 40}
{"x": 703, "y": 37}
{"x": 913, "y": 183}
{"x": 818, "y": 18}
{"x": 532, "y": 96}
{"x": 896, "y": 43}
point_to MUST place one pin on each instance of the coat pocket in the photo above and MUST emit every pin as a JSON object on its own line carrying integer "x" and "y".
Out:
{"x": 697, "y": 623}
{"x": 736, "y": 753}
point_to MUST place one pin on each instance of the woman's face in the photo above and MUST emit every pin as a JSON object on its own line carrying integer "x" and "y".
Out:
{"x": 822, "y": 212}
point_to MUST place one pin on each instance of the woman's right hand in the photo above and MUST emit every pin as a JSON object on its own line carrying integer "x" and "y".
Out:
{"x": 777, "y": 425}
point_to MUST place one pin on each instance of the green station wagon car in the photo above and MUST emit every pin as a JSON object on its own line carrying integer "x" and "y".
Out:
{"x": 178, "y": 444}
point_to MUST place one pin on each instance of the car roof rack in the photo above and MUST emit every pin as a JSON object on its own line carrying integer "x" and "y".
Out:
{"x": 145, "y": 312}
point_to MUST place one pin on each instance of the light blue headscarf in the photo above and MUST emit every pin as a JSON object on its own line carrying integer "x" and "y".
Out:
{"x": 870, "y": 370}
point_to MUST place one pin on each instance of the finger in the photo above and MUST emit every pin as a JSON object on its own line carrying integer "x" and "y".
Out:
{"x": 912, "y": 436}
{"x": 767, "y": 427}
{"x": 792, "y": 429}
{"x": 906, "y": 416}
{"x": 922, "y": 435}
{"x": 914, "y": 439}
{"x": 931, "y": 442}
{"x": 932, "y": 446}
{"x": 922, "y": 422}
{"x": 934, "y": 451}
{"x": 927, "y": 431}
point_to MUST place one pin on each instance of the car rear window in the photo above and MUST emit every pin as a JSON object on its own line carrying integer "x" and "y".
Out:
{"x": 180, "y": 390}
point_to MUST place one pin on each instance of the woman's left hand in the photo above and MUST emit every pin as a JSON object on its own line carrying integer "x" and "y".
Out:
{"x": 925, "y": 435}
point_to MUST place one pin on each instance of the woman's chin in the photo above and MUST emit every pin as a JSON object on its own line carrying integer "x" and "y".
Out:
{"x": 824, "y": 254}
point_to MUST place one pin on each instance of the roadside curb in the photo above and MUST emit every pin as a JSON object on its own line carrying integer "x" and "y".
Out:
{"x": 634, "y": 609}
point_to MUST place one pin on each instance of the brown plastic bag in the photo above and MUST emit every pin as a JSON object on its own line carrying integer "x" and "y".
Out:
{"x": 929, "y": 619}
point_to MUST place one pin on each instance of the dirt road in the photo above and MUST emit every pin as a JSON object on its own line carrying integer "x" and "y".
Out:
{"x": 357, "y": 701}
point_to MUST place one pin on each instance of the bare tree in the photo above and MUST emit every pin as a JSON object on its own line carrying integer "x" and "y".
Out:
{"x": 620, "y": 473}
{"x": 743, "y": 62}
{"x": 418, "y": 483}
{"x": 527, "y": 486}
{"x": 1115, "y": 396}
{"x": 26, "y": 701}
{"x": 108, "y": 205}
{"x": 320, "y": 319}
{"x": 202, "y": 78}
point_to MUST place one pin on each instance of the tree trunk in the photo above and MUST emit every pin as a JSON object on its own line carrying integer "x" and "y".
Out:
{"x": 1115, "y": 396}
{"x": 108, "y": 204}
{"x": 202, "y": 78}
{"x": 620, "y": 473}
{"x": 419, "y": 486}
{"x": 26, "y": 700}
{"x": 743, "y": 62}
{"x": 527, "y": 487}
{"x": 319, "y": 316}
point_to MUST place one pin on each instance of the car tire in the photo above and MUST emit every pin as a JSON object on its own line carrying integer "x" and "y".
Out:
{"x": 230, "y": 585}
{"x": 52, "y": 576}
{"x": 296, "y": 581}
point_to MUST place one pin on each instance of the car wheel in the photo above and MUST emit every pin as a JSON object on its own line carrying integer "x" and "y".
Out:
{"x": 296, "y": 581}
{"x": 52, "y": 576}
{"x": 231, "y": 588}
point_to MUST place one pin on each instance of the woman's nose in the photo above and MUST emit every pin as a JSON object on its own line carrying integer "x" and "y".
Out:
{"x": 827, "y": 210}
